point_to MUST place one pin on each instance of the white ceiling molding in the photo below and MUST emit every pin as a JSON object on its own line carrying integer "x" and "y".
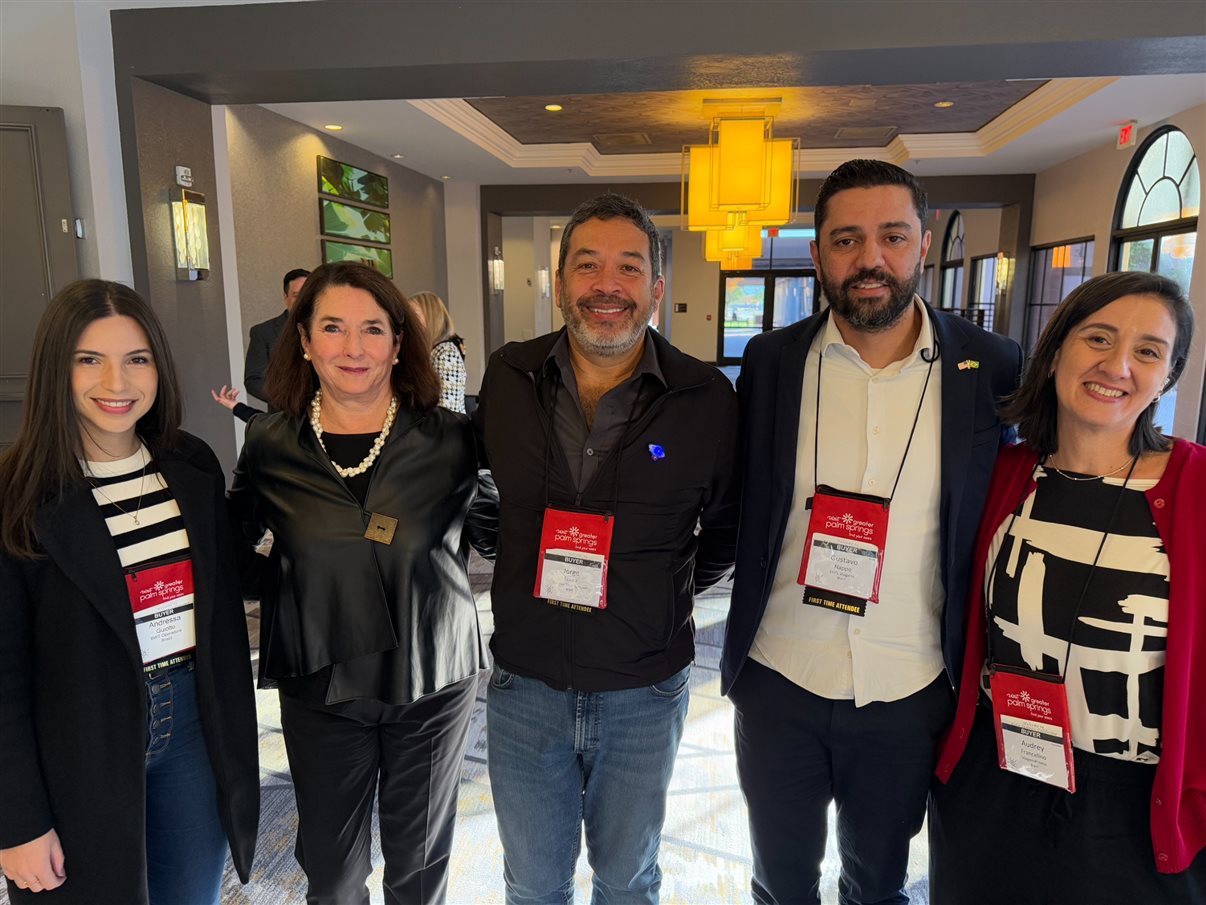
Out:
{"x": 1038, "y": 107}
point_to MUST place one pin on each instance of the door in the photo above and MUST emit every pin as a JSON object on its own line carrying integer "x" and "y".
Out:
{"x": 752, "y": 302}
{"x": 37, "y": 242}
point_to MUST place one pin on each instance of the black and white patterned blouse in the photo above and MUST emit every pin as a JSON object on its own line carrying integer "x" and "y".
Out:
{"x": 1115, "y": 672}
{"x": 449, "y": 365}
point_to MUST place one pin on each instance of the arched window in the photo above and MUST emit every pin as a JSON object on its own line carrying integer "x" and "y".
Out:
{"x": 1156, "y": 220}
{"x": 952, "y": 263}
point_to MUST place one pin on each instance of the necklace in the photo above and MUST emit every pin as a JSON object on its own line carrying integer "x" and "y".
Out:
{"x": 378, "y": 444}
{"x": 141, "y": 489}
{"x": 1094, "y": 477}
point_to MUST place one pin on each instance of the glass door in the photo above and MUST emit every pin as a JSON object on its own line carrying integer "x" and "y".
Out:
{"x": 752, "y": 302}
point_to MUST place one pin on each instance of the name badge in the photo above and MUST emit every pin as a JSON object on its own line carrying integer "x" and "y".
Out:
{"x": 571, "y": 568}
{"x": 844, "y": 550}
{"x": 1034, "y": 731}
{"x": 162, "y": 600}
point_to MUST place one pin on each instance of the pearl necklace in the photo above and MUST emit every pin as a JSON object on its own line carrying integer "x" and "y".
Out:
{"x": 1095, "y": 477}
{"x": 378, "y": 444}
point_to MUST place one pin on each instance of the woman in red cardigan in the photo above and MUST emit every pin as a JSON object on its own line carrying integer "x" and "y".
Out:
{"x": 1075, "y": 770}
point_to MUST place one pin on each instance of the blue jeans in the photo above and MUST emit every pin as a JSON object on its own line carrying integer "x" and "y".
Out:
{"x": 186, "y": 845}
{"x": 559, "y": 759}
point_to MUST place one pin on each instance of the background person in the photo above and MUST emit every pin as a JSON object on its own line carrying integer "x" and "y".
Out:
{"x": 369, "y": 628}
{"x": 128, "y": 746}
{"x": 1093, "y": 545}
{"x": 447, "y": 349}
{"x": 263, "y": 336}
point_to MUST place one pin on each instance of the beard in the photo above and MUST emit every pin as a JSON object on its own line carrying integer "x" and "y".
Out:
{"x": 872, "y": 317}
{"x": 601, "y": 339}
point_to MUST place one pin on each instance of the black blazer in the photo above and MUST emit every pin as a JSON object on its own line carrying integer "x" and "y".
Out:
{"x": 73, "y": 714}
{"x": 770, "y": 389}
{"x": 262, "y": 339}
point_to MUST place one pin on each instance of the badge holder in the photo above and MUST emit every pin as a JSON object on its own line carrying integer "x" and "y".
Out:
{"x": 571, "y": 566}
{"x": 844, "y": 550}
{"x": 161, "y": 597}
{"x": 1032, "y": 724}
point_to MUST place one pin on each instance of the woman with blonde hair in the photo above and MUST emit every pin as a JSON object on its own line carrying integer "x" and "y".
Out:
{"x": 447, "y": 349}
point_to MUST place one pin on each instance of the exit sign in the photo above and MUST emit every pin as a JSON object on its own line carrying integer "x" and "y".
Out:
{"x": 1127, "y": 133}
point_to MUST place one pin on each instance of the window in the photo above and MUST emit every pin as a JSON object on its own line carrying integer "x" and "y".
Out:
{"x": 1156, "y": 220}
{"x": 925, "y": 288}
{"x": 778, "y": 290}
{"x": 952, "y": 263}
{"x": 1055, "y": 270}
{"x": 982, "y": 297}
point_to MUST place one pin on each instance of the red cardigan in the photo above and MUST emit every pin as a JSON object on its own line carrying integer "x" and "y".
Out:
{"x": 1178, "y": 814}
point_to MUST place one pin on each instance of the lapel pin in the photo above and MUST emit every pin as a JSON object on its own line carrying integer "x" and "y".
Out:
{"x": 968, "y": 363}
{"x": 656, "y": 451}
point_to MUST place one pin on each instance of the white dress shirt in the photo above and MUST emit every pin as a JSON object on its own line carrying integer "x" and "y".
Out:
{"x": 865, "y": 417}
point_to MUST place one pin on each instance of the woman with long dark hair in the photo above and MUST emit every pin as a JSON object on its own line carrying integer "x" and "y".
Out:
{"x": 1076, "y": 767}
{"x": 369, "y": 628}
{"x": 128, "y": 759}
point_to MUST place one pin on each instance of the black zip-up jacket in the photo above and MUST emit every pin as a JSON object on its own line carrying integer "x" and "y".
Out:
{"x": 675, "y": 520}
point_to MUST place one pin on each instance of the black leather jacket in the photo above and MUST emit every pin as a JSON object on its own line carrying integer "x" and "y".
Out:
{"x": 393, "y": 622}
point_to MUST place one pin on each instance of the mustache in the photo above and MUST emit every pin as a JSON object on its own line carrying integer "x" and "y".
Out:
{"x": 601, "y": 299}
{"x": 875, "y": 274}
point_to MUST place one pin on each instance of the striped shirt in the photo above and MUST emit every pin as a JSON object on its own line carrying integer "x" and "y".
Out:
{"x": 140, "y": 512}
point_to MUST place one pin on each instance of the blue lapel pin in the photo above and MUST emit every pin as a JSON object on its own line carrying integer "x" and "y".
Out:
{"x": 656, "y": 451}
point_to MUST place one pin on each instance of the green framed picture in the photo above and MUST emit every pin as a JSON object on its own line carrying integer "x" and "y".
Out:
{"x": 349, "y": 222}
{"x": 381, "y": 259}
{"x": 346, "y": 181}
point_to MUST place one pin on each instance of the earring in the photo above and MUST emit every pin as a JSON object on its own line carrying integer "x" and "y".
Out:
{"x": 306, "y": 356}
{"x": 395, "y": 359}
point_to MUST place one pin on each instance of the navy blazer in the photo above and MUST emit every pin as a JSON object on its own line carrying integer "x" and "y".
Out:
{"x": 769, "y": 391}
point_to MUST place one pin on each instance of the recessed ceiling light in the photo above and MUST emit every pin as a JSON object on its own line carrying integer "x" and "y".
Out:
{"x": 397, "y": 156}
{"x": 942, "y": 105}
{"x": 553, "y": 108}
{"x": 333, "y": 127}
{"x": 445, "y": 178}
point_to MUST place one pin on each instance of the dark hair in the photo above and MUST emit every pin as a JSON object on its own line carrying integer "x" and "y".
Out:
{"x": 291, "y": 381}
{"x": 44, "y": 459}
{"x": 605, "y": 207}
{"x": 291, "y": 276}
{"x": 867, "y": 174}
{"x": 1034, "y": 407}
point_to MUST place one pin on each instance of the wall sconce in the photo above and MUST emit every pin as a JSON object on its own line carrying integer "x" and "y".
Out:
{"x": 497, "y": 276}
{"x": 542, "y": 280}
{"x": 192, "y": 238}
{"x": 1003, "y": 264}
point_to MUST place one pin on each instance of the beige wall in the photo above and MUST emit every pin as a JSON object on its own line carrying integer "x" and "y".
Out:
{"x": 274, "y": 182}
{"x": 519, "y": 290}
{"x": 1076, "y": 199}
{"x": 695, "y": 282}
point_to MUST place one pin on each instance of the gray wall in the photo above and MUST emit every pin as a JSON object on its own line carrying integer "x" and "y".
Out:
{"x": 274, "y": 182}
{"x": 193, "y": 313}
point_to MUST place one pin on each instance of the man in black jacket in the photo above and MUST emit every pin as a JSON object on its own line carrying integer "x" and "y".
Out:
{"x": 614, "y": 455}
{"x": 263, "y": 336}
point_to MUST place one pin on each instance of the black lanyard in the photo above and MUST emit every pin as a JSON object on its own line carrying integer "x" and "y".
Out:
{"x": 1084, "y": 588}
{"x": 816, "y": 433}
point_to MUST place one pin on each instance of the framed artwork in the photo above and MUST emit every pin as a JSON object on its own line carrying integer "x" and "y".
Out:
{"x": 381, "y": 259}
{"x": 346, "y": 221}
{"x": 346, "y": 181}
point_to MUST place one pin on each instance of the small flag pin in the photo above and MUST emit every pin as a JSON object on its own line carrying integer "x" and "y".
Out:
{"x": 968, "y": 363}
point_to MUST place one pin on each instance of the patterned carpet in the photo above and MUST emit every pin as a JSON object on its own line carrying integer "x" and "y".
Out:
{"x": 705, "y": 855}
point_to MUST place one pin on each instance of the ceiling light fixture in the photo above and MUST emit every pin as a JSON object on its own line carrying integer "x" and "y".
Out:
{"x": 942, "y": 105}
{"x": 742, "y": 180}
{"x": 553, "y": 108}
{"x": 445, "y": 178}
{"x": 397, "y": 156}
{"x": 333, "y": 127}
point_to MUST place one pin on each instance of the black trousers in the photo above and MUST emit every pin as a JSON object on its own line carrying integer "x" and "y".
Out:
{"x": 343, "y": 755}
{"x": 997, "y": 838}
{"x": 797, "y": 752}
